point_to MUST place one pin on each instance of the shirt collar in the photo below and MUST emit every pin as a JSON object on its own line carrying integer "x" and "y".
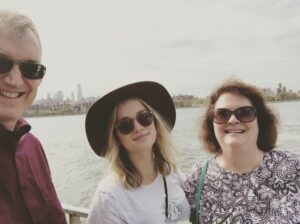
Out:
{"x": 21, "y": 128}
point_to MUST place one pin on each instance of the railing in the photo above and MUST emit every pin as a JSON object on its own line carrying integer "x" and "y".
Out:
{"x": 75, "y": 213}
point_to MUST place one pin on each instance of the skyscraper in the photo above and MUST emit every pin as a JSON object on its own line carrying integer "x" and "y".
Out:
{"x": 79, "y": 92}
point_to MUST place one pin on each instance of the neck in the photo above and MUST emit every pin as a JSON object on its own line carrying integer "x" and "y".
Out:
{"x": 240, "y": 162}
{"x": 8, "y": 125}
{"x": 144, "y": 162}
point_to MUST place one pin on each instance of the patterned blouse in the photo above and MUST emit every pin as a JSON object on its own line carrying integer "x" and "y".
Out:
{"x": 269, "y": 194}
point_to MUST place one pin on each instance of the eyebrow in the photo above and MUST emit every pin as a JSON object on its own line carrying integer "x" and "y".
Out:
{"x": 25, "y": 61}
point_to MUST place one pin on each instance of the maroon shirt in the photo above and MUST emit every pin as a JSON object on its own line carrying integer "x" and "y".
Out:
{"x": 27, "y": 194}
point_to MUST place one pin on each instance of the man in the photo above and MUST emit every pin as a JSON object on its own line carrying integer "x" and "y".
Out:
{"x": 27, "y": 194}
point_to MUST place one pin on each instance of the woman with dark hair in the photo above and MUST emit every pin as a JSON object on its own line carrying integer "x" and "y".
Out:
{"x": 247, "y": 180}
{"x": 130, "y": 127}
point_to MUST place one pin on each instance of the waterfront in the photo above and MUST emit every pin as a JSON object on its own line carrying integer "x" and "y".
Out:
{"x": 76, "y": 169}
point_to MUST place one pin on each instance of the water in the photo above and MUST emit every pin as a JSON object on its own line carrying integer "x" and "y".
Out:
{"x": 76, "y": 169}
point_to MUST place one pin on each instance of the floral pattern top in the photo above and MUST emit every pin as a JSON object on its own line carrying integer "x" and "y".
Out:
{"x": 269, "y": 194}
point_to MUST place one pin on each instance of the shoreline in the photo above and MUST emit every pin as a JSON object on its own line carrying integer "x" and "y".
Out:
{"x": 84, "y": 112}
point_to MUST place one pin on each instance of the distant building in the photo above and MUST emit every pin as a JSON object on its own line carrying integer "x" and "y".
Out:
{"x": 73, "y": 96}
{"x": 48, "y": 96}
{"x": 59, "y": 96}
{"x": 79, "y": 92}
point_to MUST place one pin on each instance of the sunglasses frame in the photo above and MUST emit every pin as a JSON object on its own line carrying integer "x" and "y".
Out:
{"x": 131, "y": 120}
{"x": 235, "y": 113}
{"x": 39, "y": 73}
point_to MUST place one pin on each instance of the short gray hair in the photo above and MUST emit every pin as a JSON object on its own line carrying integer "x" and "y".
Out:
{"x": 17, "y": 24}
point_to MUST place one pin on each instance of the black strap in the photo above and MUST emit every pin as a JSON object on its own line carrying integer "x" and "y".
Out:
{"x": 166, "y": 196}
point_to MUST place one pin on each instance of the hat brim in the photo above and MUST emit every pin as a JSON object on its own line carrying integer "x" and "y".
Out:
{"x": 97, "y": 117}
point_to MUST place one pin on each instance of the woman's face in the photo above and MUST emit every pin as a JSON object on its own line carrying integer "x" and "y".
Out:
{"x": 235, "y": 134}
{"x": 141, "y": 138}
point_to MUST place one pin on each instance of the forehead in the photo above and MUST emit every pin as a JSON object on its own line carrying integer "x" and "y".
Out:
{"x": 20, "y": 47}
{"x": 129, "y": 107}
{"x": 232, "y": 101}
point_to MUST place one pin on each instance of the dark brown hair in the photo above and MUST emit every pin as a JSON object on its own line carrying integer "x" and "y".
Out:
{"x": 266, "y": 119}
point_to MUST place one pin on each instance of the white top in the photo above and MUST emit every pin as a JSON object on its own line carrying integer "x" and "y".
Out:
{"x": 114, "y": 204}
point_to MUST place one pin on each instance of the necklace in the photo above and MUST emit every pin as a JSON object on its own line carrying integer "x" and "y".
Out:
{"x": 166, "y": 196}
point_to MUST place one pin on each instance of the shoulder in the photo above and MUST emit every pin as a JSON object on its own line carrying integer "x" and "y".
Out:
{"x": 191, "y": 181}
{"x": 176, "y": 177}
{"x": 109, "y": 184}
{"x": 284, "y": 160}
{"x": 109, "y": 188}
{"x": 281, "y": 155}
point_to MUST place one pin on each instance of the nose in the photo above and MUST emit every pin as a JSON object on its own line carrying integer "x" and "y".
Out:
{"x": 233, "y": 119}
{"x": 14, "y": 77}
{"x": 137, "y": 125}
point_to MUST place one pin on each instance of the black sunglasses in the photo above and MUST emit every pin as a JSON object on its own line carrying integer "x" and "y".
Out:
{"x": 126, "y": 124}
{"x": 29, "y": 70}
{"x": 243, "y": 114}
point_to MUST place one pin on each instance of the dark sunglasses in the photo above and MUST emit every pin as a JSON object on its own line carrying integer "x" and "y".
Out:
{"x": 126, "y": 124}
{"x": 28, "y": 69}
{"x": 243, "y": 114}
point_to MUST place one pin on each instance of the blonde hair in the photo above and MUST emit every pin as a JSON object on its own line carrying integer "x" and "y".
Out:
{"x": 119, "y": 162}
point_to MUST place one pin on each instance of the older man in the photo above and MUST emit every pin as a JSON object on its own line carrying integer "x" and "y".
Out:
{"x": 27, "y": 194}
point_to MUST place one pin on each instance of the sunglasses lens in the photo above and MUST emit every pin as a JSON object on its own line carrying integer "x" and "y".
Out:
{"x": 5, "y": 65}
{"x": 125, "y": 125}
{"x": 245, "y": 114}
{"x": 145, "y": 118}
{"x": 32, "y": 71}
{"x": 221, "y": 115}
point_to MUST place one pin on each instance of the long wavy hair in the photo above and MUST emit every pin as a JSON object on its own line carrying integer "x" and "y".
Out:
{"x": 266, "y": 119}
{"x": 119, "y": 161}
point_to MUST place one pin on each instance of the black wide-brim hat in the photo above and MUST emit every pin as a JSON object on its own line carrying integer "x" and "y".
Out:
{"x": 97, "y": 117}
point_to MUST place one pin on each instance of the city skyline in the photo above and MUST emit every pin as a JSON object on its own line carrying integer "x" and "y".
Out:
{"x": 61, "y": 96}
{"x": 189, "y": 46}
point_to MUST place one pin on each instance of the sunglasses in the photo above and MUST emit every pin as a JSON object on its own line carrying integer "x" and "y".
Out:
{"x": 28, "y": 69}
{"x": 126, "y": 124}
{"x": 243, "y": 114}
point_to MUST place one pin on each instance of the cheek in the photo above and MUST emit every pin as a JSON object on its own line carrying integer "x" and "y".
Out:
{"x": 121, "y": 139}
{"x": 254, "y": 128}
{"x": 218, "y": 130}
{"x": 33, "y": 84}
{"x": 153, "y": 131}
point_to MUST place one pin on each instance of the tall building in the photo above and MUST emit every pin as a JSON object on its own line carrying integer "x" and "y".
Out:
{"x": 73, "y": 97}
{"x": 59, "y": 96}
{"x": 79, "y": 92}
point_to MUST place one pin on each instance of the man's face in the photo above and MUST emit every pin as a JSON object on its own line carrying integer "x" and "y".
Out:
{"x": 16, "y": 91}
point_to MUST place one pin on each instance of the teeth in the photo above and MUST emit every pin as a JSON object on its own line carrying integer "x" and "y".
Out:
{"x": 9, "y": 94}
{"x": 235, "y": 131}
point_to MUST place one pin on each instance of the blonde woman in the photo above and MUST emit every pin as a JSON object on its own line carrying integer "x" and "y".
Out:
{"x": 130, "y": 127}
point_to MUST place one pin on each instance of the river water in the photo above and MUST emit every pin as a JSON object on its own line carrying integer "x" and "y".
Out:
{"x": 76, "y": 169}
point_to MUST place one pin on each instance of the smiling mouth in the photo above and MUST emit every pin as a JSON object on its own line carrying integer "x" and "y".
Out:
{"x": 140, "y": 137}
{"x": 238, "y": 131}
{"x": 10, "y": 95}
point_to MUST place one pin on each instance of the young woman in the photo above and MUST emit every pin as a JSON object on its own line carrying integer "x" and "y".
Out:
{"x": 130, "y": 127}
{"x": 247, "y": 179}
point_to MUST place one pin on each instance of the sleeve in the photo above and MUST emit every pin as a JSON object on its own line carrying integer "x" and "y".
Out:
{"x": 190, "y": 184}
{"x": 180, "y": 176}
{"x": 104, "y": 210}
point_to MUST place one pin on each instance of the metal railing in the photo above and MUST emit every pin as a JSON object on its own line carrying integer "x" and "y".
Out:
{"x": 75, "y": 213}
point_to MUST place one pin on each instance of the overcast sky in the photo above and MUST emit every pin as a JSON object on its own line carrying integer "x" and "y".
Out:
{"x": 189, "y": 46}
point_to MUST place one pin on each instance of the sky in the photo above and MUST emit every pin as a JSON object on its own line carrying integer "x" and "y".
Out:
{"x": 189, "y": 46}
